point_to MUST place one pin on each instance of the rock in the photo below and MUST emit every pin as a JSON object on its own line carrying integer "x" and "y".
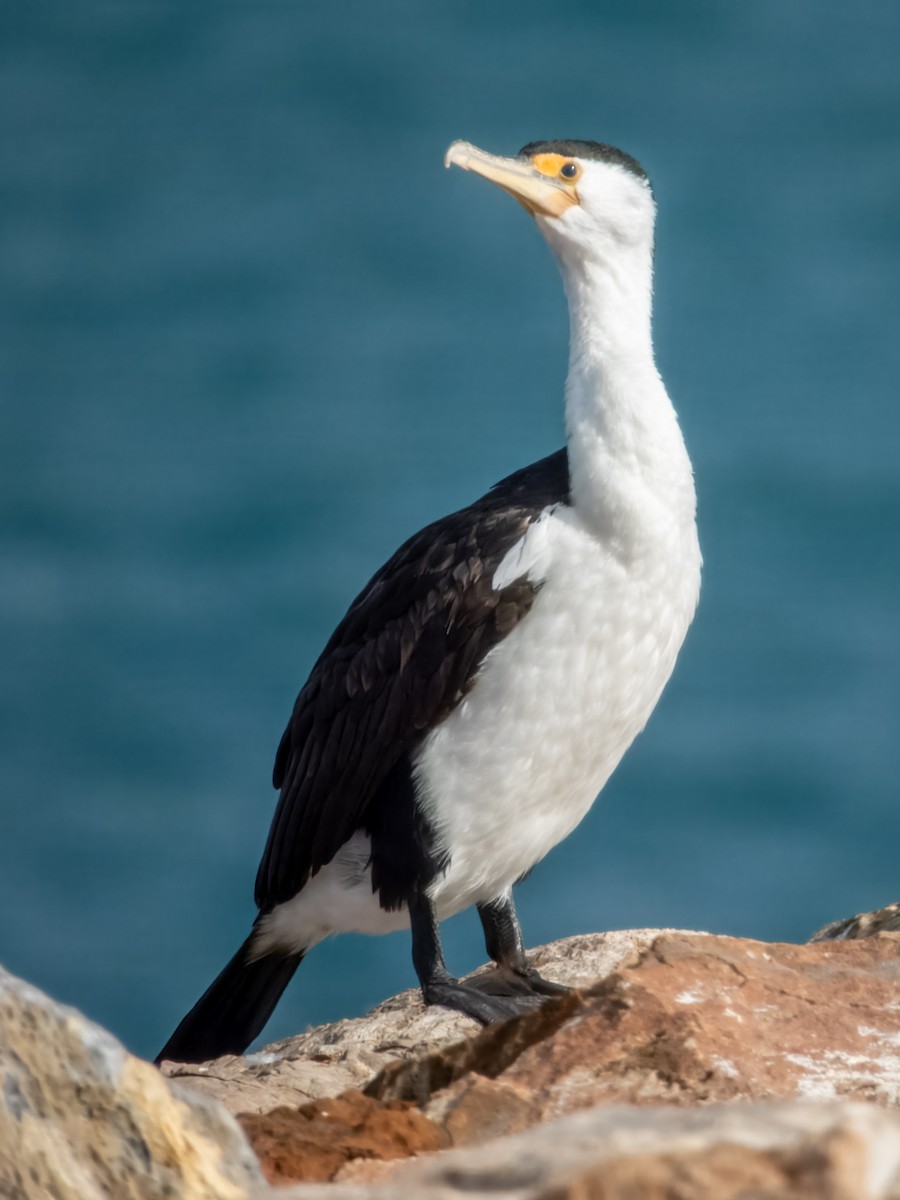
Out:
{"x": 697, "y": 1019}
{"x": 800, "y": 1151}
{"x": 692, "y": 1019}
{"x": 316, "y": 1140}
{"x": 346, "y": 1054}
{"x": 684, "y": 1028}
{"x": 883, "y": 920}
{"x": 81, "y": 1119}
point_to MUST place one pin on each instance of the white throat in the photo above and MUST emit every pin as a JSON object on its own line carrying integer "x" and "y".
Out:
{"x": 626, "y": 451}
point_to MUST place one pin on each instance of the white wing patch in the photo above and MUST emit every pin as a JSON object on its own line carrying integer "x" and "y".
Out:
{"x": 530, "y": 556}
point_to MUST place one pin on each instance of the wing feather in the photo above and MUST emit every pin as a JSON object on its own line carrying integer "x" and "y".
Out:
{"x": 402, "y": 658}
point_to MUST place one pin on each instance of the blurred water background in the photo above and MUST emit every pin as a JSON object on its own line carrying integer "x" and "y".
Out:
{"x": 253, "y": 335}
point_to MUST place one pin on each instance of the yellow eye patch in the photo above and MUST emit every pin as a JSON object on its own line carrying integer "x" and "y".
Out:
{"x": 552, "y": 166}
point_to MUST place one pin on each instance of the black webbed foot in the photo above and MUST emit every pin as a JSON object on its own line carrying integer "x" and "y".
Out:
{"x": 508, "y": 991}
{"x": 541, "y": 986}
{"x": 500, "y": 981}
{"x": 503, "y": 939}
{"x": 516, "y": 981}
{"x": 476, "y": 999}
{"x": 496, "y": 996}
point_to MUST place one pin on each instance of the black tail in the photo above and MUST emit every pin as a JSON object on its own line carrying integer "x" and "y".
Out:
{"x": 233, "y": 1009}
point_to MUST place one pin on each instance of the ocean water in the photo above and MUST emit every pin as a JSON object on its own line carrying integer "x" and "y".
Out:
{"x": 253, "y": 335}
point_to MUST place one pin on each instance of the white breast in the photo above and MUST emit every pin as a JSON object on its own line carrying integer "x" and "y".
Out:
{"x": 517, "y": 765}
{"x": 556, "y": 704}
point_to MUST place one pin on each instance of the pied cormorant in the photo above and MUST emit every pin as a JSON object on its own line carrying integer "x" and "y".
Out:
{"x": 485, "y": 683}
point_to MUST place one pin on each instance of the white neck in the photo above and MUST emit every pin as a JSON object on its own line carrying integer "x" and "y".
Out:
{"x": 625, "y": 447}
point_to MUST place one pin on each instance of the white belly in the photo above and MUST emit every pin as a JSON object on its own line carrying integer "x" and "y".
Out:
{"x": 517, "y": 765}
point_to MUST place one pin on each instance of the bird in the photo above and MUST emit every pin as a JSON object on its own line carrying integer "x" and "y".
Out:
{"x": 485, "y": 683}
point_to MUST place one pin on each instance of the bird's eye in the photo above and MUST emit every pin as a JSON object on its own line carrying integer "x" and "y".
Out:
{"x": 569, "y": 170}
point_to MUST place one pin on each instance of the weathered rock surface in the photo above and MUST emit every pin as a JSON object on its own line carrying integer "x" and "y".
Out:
{"x": 684, "y": 1029}
{"x": 696, "y": 1019}
{"x": 319, "y": 1139}
{"x": 800, "y": 1151}
{"x": 883, "y": 920}
{"x": 692, "y": 1019}
{"x": 81, "y": 1119}
{"x": 347, "y": 1054}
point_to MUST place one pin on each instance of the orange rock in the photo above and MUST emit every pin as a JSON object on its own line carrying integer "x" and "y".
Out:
{"x": 678, "y": 1020}
{"x": 315, "y": 1141}
{"x": 696, "y": 1019}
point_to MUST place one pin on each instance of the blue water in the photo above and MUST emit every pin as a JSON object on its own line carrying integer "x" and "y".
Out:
{"x": 249, "y": 324}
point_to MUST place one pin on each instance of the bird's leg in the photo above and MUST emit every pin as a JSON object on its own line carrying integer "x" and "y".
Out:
{"x": 503, "y": 939}
{"x": 440, "y": 987}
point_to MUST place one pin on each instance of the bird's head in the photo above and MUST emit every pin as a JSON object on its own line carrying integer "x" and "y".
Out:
{"x": 587, "y": 198}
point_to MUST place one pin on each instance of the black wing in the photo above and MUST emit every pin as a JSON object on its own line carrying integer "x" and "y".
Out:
{"x": 398, "y": 663}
